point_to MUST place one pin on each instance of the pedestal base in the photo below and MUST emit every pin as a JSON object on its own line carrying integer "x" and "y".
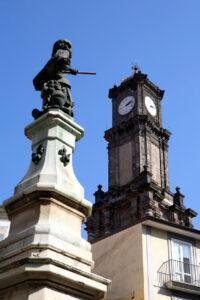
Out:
{"x": 43, "y": 279}
{"x": 44, "y": 256}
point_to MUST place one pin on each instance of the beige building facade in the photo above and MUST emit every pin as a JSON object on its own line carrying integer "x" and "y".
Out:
{"x": 150, "y": 261}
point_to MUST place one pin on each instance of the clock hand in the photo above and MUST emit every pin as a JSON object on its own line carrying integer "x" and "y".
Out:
{"x": 128, "y": 103}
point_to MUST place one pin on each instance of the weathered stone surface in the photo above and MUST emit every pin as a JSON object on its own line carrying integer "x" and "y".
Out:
{"x": 138, "y": 165}
{"x": 54, "y": 131}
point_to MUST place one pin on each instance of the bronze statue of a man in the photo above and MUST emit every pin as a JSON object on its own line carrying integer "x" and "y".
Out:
{"x": 52, "y": 82}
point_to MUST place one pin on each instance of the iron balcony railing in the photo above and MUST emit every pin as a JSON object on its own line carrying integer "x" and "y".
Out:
{"x": 179, "y": 271}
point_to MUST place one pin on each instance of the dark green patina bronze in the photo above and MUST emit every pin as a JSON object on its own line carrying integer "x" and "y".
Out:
{"x": 36, "y": 156}
{"x": 65, "y": 158}
{"x": 52, "y": 82}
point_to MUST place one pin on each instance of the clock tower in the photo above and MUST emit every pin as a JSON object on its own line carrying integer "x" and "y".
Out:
{"x": 137, "y": 140}
{"x": 138, "y": 186}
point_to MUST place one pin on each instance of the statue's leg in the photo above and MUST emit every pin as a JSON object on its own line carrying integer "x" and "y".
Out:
{"x": 69, "y": 102}
{"x": 69, "y": 96}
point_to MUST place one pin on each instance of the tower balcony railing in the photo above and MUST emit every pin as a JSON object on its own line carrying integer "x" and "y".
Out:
{"x": 180, "y": 275}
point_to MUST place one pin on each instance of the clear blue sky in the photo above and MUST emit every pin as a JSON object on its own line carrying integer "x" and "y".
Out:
{"x": 163, "y": 37}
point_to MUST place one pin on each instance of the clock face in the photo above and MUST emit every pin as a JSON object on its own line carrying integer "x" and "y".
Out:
{"x": 150, "y": 105}
{"x": 126, "y": 105}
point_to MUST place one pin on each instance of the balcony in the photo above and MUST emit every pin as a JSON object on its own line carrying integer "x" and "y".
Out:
{"x": 180, "y": 276}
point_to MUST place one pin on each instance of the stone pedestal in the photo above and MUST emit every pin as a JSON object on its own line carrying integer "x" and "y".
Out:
{"x": 44, "y": 256}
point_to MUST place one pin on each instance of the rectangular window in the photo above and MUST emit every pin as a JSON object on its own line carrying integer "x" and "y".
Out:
{"x": 182, "y": 261}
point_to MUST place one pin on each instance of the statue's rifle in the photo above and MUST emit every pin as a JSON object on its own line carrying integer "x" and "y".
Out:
{"x": 87, "y": 73}
{"x": 74, "y": 72}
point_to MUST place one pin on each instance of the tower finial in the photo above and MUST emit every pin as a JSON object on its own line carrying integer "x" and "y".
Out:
{"x": 136, "y": 69}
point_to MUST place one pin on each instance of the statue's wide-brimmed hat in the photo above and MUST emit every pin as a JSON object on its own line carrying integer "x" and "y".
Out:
{"x": 57, "y": 45}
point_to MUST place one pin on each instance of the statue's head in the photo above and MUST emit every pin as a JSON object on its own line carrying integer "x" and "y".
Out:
{"x": 62, "y": 44}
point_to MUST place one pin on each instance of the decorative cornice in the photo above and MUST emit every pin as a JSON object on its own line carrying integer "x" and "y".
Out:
{"x": 132, "y": 81}
{"x": 139, "y": 199}
{"x": 136, "y": 122}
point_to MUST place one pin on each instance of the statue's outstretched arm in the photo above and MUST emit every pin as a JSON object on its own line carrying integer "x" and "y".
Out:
{"x": 73, "y": 71}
